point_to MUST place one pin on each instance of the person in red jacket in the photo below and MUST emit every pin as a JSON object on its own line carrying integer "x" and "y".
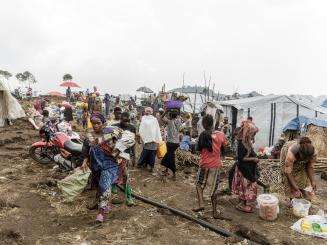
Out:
{"x": 210, "y": 146}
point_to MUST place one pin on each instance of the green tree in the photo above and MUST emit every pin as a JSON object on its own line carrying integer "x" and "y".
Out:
{"x": 26, "y": 76}
{"x": 67, "y": 77}
{"x": 5, "y": 74}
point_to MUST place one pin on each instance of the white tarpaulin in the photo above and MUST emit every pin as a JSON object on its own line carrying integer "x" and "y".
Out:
{"x": 270, "y": 114}
{"x": 197, "y": 102}
{"x": 9, "y": 106}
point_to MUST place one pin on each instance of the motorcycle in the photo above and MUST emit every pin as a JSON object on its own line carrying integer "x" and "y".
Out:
{"x": 57, "y": 147}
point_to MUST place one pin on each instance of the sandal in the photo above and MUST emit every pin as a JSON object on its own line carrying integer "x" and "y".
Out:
{"x": 99, "y": 218}
{"x": 245, "y": 208}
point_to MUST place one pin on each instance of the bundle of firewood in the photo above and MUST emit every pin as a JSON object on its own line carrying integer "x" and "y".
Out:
{"x": 270, "y": 170}
{"x": 186, "y": 159}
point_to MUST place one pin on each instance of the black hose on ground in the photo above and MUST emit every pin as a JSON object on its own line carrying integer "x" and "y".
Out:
{"x": 203, "y": 223}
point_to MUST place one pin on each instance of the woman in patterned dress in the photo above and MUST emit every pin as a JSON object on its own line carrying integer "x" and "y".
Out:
{"x": 246, "y": 174}
{"x": 102, "y": 158}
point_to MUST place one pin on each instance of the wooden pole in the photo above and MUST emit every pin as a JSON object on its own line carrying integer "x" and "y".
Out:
{"x": 209, "y": 87}
{"x": 183, "y": 82}
{"x": 208, "y": 90}
{"x": 196, "y": 92}
{"x": 205, "y": 86}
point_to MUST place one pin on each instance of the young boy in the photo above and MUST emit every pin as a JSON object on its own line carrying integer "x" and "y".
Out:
{"x": 186, "y": 140}
{"x": 210, "y": 144}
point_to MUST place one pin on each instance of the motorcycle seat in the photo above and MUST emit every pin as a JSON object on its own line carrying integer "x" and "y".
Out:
{"x": 73, "y": 147}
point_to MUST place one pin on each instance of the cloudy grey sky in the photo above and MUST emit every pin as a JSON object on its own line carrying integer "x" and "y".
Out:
{"x": 273, "y": 46}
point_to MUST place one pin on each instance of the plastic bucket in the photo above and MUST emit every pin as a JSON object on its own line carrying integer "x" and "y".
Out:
{"x": 301, "y": 207}
{"x": 268, "y": 206}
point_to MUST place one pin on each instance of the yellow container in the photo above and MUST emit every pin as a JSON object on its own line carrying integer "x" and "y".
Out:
{"x": 162, "y": 149}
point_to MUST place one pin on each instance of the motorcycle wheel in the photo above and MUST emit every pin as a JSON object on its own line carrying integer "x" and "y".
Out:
{"x": 41, "y": 154}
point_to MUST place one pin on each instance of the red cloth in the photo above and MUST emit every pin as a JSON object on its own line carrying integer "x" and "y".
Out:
{"x": 213, "y": 159}
{"x": 245, "y": 189}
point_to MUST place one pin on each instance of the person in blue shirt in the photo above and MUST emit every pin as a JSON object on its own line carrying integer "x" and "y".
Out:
{"x": 186, "y": 141}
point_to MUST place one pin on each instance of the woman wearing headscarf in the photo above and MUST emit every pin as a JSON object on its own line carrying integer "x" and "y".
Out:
{"x": 246, "y": 173}
{"x": 102, "y": 158}
{"x": 97, "y": 106}
{"x": 151, "y": 136}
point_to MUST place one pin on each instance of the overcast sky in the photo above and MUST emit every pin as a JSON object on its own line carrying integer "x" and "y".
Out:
{"x": 272, "y": 46}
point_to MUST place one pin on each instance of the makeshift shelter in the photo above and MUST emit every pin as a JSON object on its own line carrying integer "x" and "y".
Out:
{"x": 315, "y": 129}
{"x": 270, "y": 113}
{"x": 10, "y": 108}
{"x": 195, "y": 103}
{"x": 324, "y": 104}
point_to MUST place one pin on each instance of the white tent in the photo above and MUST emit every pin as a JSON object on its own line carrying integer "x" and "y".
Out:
{"x": 270, "y": 113}
{"x": 196, "y": 103}
{"x": 9, "y": 106}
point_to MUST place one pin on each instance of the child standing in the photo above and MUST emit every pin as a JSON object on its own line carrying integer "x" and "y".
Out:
{"x": 186, "y": 141}
{"x": 210, "y": 144}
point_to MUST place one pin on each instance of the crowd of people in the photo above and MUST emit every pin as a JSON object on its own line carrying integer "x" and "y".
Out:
{"x": 113, "y": 127}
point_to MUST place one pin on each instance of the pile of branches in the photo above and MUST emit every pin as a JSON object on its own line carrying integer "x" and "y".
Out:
{"x": 270, "y": 170}
{"x": 185, "y": 159}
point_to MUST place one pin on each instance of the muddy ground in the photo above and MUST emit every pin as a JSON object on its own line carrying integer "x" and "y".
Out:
{"x": 32, "y": 211}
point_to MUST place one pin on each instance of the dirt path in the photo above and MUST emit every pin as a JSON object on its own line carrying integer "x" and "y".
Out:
{"x": 32, "y": 212}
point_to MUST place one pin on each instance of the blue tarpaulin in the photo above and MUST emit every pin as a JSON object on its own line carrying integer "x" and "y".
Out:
{"x": 324, "y": 104}
{"x": 301, "y": 122}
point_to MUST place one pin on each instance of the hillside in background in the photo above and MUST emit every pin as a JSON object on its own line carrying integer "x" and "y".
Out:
{"x": 216, "y": 95}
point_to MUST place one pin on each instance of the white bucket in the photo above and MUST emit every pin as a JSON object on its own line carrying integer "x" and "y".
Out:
{"x": 268, "y": 206}
{"x": 300, "y": 207}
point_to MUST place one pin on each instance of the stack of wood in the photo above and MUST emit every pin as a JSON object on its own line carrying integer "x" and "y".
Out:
{"x": 185, "y": 159}
{"x": 318, "y": 136}
{"x": 320, "y": 165}
{"x": 270, "y": 170}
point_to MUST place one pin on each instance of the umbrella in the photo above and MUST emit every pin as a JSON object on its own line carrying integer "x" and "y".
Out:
{"x": 70, "y": 84}
{"x": 144, "y": 90}
{"x": 55, "y": 93}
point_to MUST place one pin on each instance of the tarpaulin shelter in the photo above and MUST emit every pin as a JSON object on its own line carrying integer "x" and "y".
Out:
{"x": 197, "y": 102}
{"x": 270, "y": 113}
{"x": 9, "y": 106}
{"x": 324, "y": 104}
{"x": 315, "y": 129}
{"x": 301, "y": 122}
